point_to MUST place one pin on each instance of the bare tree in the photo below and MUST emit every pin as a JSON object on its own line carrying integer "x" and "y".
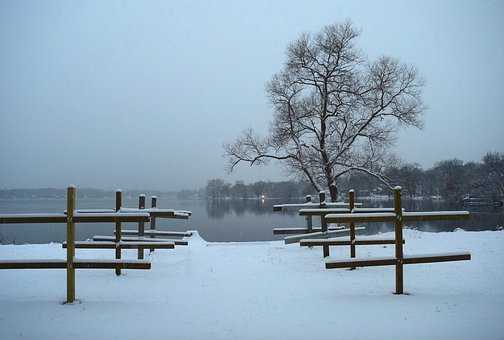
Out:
{"x": 493, "y": 166}
{"x": 334, "y": 111}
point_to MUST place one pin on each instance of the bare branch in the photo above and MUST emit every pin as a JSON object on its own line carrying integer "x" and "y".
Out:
{"x": 334, "y": 112}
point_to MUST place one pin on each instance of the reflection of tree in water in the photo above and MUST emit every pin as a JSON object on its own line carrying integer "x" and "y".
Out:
{"x": 486, "y": 218}
{"x": 482, "y": 218}
{"x": 219, "y": 208}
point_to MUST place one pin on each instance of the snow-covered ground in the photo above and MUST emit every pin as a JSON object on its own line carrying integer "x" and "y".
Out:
{"x": 262, "y": 290}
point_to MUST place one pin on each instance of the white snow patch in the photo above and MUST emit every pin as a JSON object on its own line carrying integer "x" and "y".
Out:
{"x": 261, "y": 290}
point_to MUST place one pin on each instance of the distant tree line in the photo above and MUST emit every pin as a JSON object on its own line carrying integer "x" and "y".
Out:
{"x": 450, "y": 179}
{"x": 219, "y": 189}
{"x": 81, "y": 193}
{"x": 51, "y": 193}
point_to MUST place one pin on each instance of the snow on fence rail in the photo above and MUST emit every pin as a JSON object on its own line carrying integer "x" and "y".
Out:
{"x": 71, "y": 263}
{"x": 311, "y": 209}
{"x": 322, "y": 213}
{"x": 309, "y": 221}
{"x": 154, "y": 212}
{"x": 326, "y": 231}
{"x": 120, "y": 215}
{"x": 351, "y": 215}
{"x": 309, "y": 203}
{"x": 398, "y": 217}
{"x": 140, "y": 242}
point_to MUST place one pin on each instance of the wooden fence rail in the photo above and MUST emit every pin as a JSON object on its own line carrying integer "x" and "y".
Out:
{"x": 350, "y": 211}
{"x": 119, "y": 242}
{"x": 71, "y": 263}
{"x": 309, "y": 229}
{"x": 398, "y": 217}
{"x": 140, "y": 233}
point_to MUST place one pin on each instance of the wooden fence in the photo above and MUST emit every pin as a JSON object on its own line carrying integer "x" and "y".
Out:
{"x": 310, "y": 210}
{"x": 352, "y": 242}
{"x": 297, "y": 233}
{"x": 398, "y": 217}
{"x": 71, "y": 218}
{"x": 140, "y": 242}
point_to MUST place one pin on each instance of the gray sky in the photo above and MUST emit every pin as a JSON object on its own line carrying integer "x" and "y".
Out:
{"x": 142, "y": 94}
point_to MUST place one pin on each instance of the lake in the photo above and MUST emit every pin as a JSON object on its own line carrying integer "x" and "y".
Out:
{"x": 221, "y": 221}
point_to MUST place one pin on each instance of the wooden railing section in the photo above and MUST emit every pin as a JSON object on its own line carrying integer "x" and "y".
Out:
{"x": 398, "y": 217}
{"x": 309, "y": 231}
{"x": 352, "y": 242}
{"x": 310, "y": 210}
{"x": 140, "y": 242}
{"x": 71, "y": 263}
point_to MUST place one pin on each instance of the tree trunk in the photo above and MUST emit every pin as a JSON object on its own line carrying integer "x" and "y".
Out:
{"x": 333, "y": 190}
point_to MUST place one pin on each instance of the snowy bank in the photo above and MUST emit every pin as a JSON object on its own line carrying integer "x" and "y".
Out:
{"x": 262, "y": 290}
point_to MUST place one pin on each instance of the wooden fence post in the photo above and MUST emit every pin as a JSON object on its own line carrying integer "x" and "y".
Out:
{"x": 118, "y": 231}
{"x": 323, "y": 223}
{"x": 351, "y": 205}
{"x": 141, "y": 225}
{"x": 71, "y": 190}
{"x": 153, "y": 219}
{"x": 398, "y": 240}
{"x": 309, "y": 219}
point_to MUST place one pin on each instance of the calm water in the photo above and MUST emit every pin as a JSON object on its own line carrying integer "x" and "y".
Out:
{"x": 237, "y": 220}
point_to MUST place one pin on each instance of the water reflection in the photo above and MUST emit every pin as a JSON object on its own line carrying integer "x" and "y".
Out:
{"x": 482, "y": 218}
{"x": 225, "y": 220}
{"x": 218, "y": 209}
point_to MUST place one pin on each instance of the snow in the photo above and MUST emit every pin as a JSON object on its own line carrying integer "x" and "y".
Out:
{"x": 180, "y": 214}
{"x": 323, "y": 211}
{"x": 321, "y": 234}
{"x": 79, "y": 260}
{"x": 262, "y": 290}
{"x": 383, "y": 215}
{"x": 146, "y": 210}
{"x": 436, "y": 254}
{"x": 312, "y": 204}
{"x": 385, "y": 258}
{"x": 120, "y": 213}
{"x": 364, "y": 210}
{"x": 183, "y": 212}
{"x": 435, "y": 213}
{"x": 32, "y": 260}
{"x": 86, "y": 211}
{"x": 33, "y": 215}
{"x": 361, "y": 211}
{"x": 124, "y": 209}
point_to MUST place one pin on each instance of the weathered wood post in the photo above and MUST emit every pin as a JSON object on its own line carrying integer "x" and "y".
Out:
{"x": 309, "y": 219}
{"x": 71, "y": 190}
{"x": 398, "y": 240}
{"x": 141, "y": 225}
{"x": 323, "y": 223}
{"x": 351, "y": 205}
{"x": 118, "y": 231}
{"x": 153, "y": 219}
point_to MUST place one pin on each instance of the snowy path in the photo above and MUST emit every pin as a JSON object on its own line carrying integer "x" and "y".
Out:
{"x": 262, "y": 290}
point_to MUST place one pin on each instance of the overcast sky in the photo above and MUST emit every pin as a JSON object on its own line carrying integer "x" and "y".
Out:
{"x": 142, "y": 94}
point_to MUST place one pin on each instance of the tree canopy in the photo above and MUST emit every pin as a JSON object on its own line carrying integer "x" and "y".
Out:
{"x": 334, "y": 110}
